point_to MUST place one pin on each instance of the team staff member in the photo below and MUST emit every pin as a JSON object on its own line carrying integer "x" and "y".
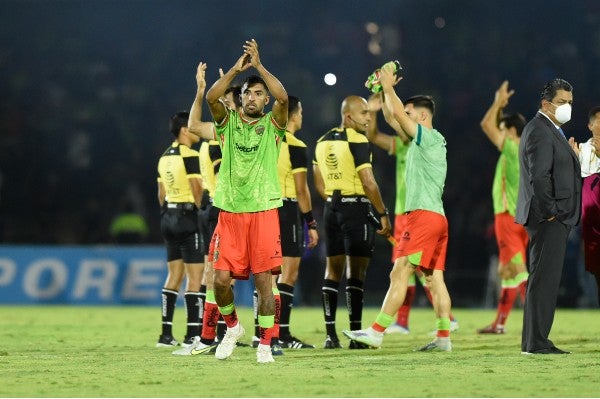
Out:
{"x": 425, "y": 238}
{"x": 179, "y": 195}
{"x": 504, "y": 131}
{"x": 548, "y": 205}
{"x": 247, "y": 238}
{"x": 344, "y": 178}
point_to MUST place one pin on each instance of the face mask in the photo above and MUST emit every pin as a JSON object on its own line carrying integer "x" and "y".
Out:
{"x": 562, "y": 113}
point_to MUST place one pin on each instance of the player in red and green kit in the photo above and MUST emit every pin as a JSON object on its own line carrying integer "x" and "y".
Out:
{"x": 397, "y": 145}
{"x": 247, "y": 238}
{"x": 424, "y": 240}
{"x": 504, "y": 131}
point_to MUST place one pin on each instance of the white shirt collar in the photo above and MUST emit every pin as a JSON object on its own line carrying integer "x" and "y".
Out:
{"x": 547, "y": 117}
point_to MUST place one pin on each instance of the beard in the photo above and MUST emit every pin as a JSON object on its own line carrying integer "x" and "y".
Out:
{"x": 253, "y": 112}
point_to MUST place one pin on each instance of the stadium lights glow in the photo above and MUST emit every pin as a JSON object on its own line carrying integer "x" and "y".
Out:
{"x": 330, "y": 79}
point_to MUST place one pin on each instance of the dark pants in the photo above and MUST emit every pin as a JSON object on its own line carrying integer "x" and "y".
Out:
{"x": 547, "y": 246}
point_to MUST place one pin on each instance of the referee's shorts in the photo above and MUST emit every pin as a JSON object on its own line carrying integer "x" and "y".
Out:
{"x": 347, "y": 229}
{"x": 208, "y": 219}
{"x": 292, "y": 229}
{"x": 179, "y": 228}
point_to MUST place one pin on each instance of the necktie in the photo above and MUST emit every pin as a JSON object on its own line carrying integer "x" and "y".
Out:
{"x": 561, "y": 132}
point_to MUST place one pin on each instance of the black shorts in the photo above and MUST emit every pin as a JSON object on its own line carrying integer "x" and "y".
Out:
{"x": 208, "y": 223}
{"x": 179, "y": 228}
{"x": 292, "y": 229}
{"x": 347, "y": 229}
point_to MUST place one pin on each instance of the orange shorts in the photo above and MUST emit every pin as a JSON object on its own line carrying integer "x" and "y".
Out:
{"x": 399, "y": 226}
{"x": 247, "y": 243}
{"x": 511, "y": 238}
{"x": 424, "y": 240}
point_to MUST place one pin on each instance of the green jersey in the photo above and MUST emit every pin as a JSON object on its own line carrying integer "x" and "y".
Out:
{"x": 400, "y": 149}
{"x": 248, "y": 180}
{"x": 426, "y": 168}
{"x": 506, "y": 179}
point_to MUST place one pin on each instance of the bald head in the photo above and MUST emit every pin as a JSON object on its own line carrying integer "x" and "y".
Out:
{"x": 355, "y": 113}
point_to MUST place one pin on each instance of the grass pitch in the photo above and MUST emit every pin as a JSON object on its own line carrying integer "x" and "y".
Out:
{"x": 52, "y": 351}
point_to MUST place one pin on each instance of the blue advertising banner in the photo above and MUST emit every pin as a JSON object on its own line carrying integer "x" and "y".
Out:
{"x": 88, "y": 275}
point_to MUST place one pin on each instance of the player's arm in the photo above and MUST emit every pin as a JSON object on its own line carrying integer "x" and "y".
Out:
{"x": 217, "y": 90}
{"x": 390, "y": 120}
{"x": 195, "y": 125}
{"x": 393, "y": 102}
{"x": 381, "y": 140}
{"x": 489, "y": 123}
{"x": 276, "y": 89}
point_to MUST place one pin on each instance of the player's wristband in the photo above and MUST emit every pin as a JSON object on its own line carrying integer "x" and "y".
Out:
{"x": 310, "y": 220}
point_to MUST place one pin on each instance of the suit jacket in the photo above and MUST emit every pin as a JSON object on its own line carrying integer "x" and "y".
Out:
{"x": 550, "y": 175}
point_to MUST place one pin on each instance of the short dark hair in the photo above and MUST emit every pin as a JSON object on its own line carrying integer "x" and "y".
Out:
{"x": 254, "y": 79}
{"x": 179, "y": 120}
{"x": 236, "y": 90}
{"x": 515, "y": 120}
{"x": 593, "y": 112}
{"x": 550, "y": 89}
{"x": 421, "y": 100}
{"x": 293, "y": 102}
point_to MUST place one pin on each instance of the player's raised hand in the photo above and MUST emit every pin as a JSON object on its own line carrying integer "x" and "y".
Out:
{"x": 242, "y": 63}
{"x": 387, "y": 76}
{"x": 503, "y": 94}
{"x": 251, "y": 48}
{"x": 200, "y": 76}
{"x": 374, "y": 102}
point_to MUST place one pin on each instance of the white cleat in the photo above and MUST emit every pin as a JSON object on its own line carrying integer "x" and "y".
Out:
{"x": 264, "y": 355}
{"x": 397, "y": 329}
{"x": 368, "y": 337}
{"x": 228, "y": 343}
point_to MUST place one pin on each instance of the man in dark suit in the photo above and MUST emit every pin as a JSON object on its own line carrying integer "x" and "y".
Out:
{"x": 548, "y": 205}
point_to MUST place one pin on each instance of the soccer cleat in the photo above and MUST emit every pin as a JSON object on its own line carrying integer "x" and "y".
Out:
{"x": 294, "y": 343}
{"x": 438, "y": 344}
{"x": 332, "y": 343}
{"x": 264, "y": 355}
{"x": 165, "y": 341}
{"x": 357, "y": 345}
{"x": 228, "y": 343}
{"x": 397, "y": 329}
{"x": 454, "y": 325}
{"x": 367, "y": 336}
{"x": 276, "y": 349}
{"x": 255, "y": 341}
{"x": 189, "y": 341}
{"x": 490, "y": 330}
{"x": 197, "y": 348}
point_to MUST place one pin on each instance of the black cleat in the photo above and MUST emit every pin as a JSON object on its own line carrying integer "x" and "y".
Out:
{"x": 294, "y": 343}
{"x": 357, "y": 345}
{"x": 332, "y": 343}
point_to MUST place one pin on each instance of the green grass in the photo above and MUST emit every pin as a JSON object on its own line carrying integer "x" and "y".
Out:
{"x": 52, "y": 351}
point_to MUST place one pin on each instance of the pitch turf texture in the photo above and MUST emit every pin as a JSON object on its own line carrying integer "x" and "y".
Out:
{"x": 48, "y": 351}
